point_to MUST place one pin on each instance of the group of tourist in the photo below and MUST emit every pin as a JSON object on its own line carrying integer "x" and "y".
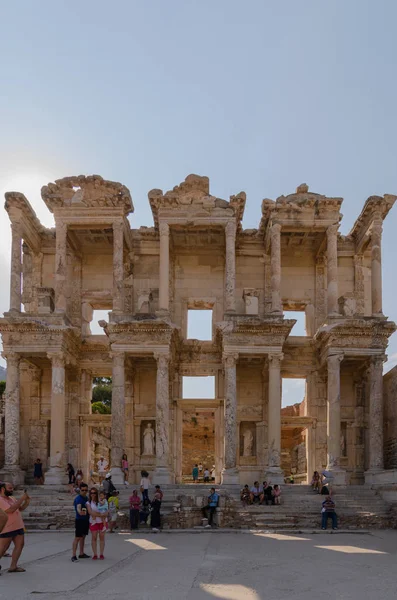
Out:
{"x": 321, "y": 484}
{"x": 146, "y": 511}
{"x": 203, "y": 473}
{"x": 260, "y": 494}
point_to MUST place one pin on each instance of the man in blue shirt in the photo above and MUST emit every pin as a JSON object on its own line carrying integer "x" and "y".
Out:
{"x": 209, "y": 510}
{"x": 81, "y": 522}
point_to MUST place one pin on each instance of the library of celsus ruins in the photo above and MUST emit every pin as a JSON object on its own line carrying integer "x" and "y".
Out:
{"x": 195, "y": 257}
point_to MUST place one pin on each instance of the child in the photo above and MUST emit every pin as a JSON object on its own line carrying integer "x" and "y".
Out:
{"x": 276, "y": 493}
{"x": 103, "y": 508}
{"x": 113, "y": 509}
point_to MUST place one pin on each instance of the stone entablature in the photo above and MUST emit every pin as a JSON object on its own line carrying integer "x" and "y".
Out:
{"x": 195, "y": 257}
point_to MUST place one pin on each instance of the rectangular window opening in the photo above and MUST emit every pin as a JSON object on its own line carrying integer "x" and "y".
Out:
{"x": 98, "y": 315}
{"x": 293, "y": 393}
{"x": 198, "y": 387}
{"x": 299, "y": 329}
{"x": 199, "y": 324}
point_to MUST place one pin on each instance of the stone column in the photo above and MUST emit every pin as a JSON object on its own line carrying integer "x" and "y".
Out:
{"x": 16, "y": 267}
{"x": 118, "y": 416}
{"x": 333, "y": 419}
{"x": 375, "y": 418}
{"x": 164, "y": 272}
{"x": 230, "y": 266}
{"x": 60, "y": 267}
{"x": 230, "y": 473}
{"x": 332, "y": 270}
{"x": 56, "y": 473}
{"x": 118, "y": 266}
{"x": 273, "y": 471}
{"x": 12, "y": 471}
{"x": 162, "y": 473}
{"x": 376, "y": 268}
{"x": 275, "y": 266}
{"x": 359, "y": 291}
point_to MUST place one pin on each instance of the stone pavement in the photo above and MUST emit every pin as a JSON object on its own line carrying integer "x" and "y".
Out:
{"x": 205, "y": 566}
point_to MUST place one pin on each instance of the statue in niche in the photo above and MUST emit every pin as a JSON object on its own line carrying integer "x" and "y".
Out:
{"x": 148, "y": 441}
{"x": 343, "y": 445}
{"x": 248, "y": 443}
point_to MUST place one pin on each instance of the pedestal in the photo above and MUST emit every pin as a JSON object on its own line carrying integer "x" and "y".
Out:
{"x": 55, "y": 476}
{"x": 162, "y": 476}
{"x": 337, "y": 476}
{"x": 230, "y": 476}
{"x": 117, "y": 476}
{"x": 15, "y": 476}
{"x": 273, "y": 475}
{"x": 373, "y": 476}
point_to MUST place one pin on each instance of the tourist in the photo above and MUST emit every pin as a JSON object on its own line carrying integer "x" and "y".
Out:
{"x": 108, "y": 485}
{"x": 159, "y": 491}
{"x": 155, "y": 517}
{"x": 79, "y": 478}
{"x": 102, "y": 465}
{"x": 125, "y": 468}
{"x": 316, "y": 482}
{"x": 145, "y": 484}
{"x": 210, "y": 508}
{"x": 326, "y": 483}
{"x": 114, "y": 506}
{"x": 144, "y": 512}
{"x": 3, "y": 519}
{"x": 81, "y": 522}
{"x": 72, "y": 478}
{"x": 267, "y": 493}
{"x": 200, "y": 468}
{"x": 206, "y": 475}
{"x": 245, "y": 495}
{"x": 276, "y": 494}
{"x": 13, "y": 530}
{"x": 38, "y": 472}
{"x": 96, "y": 525}
{"x": 195, "y": 473}
{"x": 213, "y": 473}
{"x": 256, "y": 493}
{"x": 328, "y": 512}
{"x": 103, "y": 508}
{"x": 135, "y": 504}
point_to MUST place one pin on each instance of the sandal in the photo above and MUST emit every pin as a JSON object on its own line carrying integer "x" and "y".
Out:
{"x": 17, "y": 570}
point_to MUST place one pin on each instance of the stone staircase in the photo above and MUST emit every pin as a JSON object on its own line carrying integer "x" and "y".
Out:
{"x": 357, "y": 507}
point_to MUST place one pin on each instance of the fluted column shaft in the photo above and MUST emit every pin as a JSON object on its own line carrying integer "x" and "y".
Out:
{"x": 275, "y": 267}
{"x": 162, "y": 473}
{"x": 118, "y": 415}
{"x": 274, "y": 407}
{"x": 118, "y": 265}
{"x": 230, "y": 267}
{"x": 56, "y": 472}
{"x": 333, "y": 412}
{"x": 376, "y": 414}
{"x": 376, "y": 268}
{"x": 16, "y": 267}
{"x": 60, "y": 267}
{"x": 332, "y": 269}
{"x": 12, "y": 411}
{"x": 164, "y": 274}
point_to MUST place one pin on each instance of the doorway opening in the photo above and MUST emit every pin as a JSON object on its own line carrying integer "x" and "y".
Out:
{"x": 294, "y": 435}
{"x": 198, "y": 443}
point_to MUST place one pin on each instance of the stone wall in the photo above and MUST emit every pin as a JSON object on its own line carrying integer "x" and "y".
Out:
{"x": 390, "y": 418}
{"x": 198, "y": 441}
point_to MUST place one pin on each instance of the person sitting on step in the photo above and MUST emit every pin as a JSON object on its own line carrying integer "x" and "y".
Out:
{"x": 256, "y": 493}
{"x": 328, "y": 512}
{"x": 245, "y": 495}
{"x": 267, "y": 493}
{"x": 210, "y": 508}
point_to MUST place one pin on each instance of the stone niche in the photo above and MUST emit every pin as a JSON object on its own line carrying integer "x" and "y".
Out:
{"x": 251, "y": 301}
{"x": 247, "y": 443}
{"x": 148, "y": 440}
{"x": 45, "y": 299}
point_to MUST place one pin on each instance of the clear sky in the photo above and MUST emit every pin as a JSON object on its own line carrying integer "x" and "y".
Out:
{"x": 259, "y": 96}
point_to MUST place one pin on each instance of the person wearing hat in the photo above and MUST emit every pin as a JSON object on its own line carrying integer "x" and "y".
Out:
{"x": 102, "y": 468}
{"x": 108, "y": 485}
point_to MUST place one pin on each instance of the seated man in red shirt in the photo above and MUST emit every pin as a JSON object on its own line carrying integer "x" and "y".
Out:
{"x": 14, "y": 529}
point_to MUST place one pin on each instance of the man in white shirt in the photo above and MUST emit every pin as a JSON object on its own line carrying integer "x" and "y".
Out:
{"x": 102, "y": 468}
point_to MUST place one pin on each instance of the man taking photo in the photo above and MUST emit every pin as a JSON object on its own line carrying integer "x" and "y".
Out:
{"x": 14, "y": 529}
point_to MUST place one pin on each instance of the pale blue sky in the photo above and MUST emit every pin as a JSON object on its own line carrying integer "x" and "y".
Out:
{"x": 260, "y": 96}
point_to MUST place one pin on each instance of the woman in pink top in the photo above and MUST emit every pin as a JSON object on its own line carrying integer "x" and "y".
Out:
{"x": 135, "y": 503}
{"x": 97, "y": 526}
{"x": 14, "y": 529}
{"x": 124, "y": 468}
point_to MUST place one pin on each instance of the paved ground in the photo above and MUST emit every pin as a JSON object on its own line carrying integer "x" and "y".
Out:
{"x": 176, "y": 566}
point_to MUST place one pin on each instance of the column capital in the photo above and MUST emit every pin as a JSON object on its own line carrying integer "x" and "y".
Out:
{"x": 117, "y": 355}
{"x": 377, "y": 228}
{"x": 229, "y": 359}
{"x": 332, "y": 229}
{"x": 13, "y": 358}
{"x": 230, "y": 229}
{"x": 333, "y": 360}
{"x": 57, "y": 359}
{"x": 377, "y": 360}
{"x": 162, "y": 359}
{"x": 164, "y": 228}
{"x": 276, "y": 227}
{"x": 275, "y": 359}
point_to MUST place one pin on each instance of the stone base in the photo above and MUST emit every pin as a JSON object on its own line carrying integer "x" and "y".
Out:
{"x": 117, "y": 476}
{"x": 230, "y": 476}
{"x": 373, "y": 476}
{"x": 15, "y": 476}
{"x": 338, "y": 476}
{"x": 162, "y": 476}
{"x": 273, "y": 475}
{"x": 55, "y": 476}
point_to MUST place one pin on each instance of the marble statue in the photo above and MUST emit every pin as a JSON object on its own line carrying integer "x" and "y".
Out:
{"x": 248, "y": 444}
{"x": 148, "y": 441}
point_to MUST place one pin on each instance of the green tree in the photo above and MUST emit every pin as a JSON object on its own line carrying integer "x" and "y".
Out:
{"x": 102, "y": 395}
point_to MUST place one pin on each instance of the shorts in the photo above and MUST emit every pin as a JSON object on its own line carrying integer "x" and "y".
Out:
{"x": 97, "y": 527}
{"x": 12, "y": 534}
{"x": 113, "y": 517}
{"x": 81, "y": 526}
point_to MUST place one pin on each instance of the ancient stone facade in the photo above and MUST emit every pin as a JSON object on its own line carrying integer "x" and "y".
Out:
{"x": 197, "y": 255}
